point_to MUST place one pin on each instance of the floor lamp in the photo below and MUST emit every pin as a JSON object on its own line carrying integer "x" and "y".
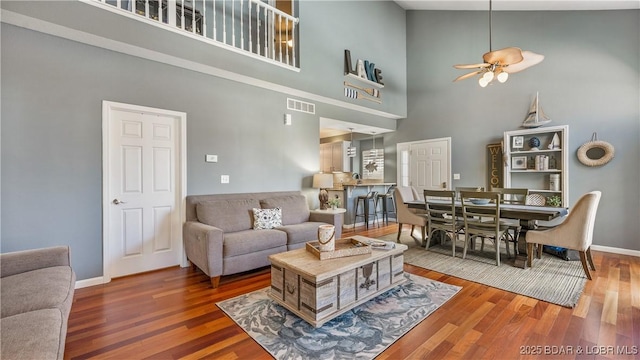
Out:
{"x": 323, "y": 182}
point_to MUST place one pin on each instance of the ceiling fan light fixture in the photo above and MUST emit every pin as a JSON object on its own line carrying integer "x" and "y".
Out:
{"x": 488, "y": 76}
{"x": 497, "y": 63}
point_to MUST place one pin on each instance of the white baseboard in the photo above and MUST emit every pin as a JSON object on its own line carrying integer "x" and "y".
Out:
{"x": 614, "y": 250}
{"x": 90, "y": 282}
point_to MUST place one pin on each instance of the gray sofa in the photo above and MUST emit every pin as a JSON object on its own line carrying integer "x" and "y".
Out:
{"x": 36, "y": 293}
{"x": 220, "y": 240}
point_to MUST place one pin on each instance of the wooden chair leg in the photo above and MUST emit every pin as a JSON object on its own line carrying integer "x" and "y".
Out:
{"x": 413, "y": 227}
{"x": 590, "y": 259}
{"x": 529, "y": 254}
{"x": 215, "y": 281}
{"x": 466, "y": 244}
{"x": 583, "y": 260}
{"x": 506, "y": 242}
{"x": 399, "y": 232}
{"x": 539, "y": 251}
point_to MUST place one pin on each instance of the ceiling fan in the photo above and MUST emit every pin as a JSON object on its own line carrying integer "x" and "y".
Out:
{"x": 499, "y": 64}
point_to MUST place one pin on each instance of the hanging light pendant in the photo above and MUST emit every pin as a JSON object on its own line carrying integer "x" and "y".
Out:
{"x": 351, "y": 150}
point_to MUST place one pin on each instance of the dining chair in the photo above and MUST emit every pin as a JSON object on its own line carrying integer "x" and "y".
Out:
{"x": 481, "y": 213}
{"x": 575, "y": 232}
{"x": 516, "y": 196}
{"x": 407, "y": 216}
{"x": 467, "y": 188}
{"x": 442, "y": 219}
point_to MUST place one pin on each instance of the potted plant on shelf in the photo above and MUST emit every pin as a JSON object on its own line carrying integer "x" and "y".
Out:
{"x": 554, "y": 200}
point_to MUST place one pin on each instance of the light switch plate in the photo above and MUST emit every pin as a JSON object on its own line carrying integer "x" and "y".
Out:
{"x": 224, "y": 179}
{"x": 456, "y": 176}
{"x": 211, "y": 158}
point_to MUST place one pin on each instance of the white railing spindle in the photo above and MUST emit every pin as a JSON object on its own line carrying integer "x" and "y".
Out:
{"x": 182, "y": 18}
{"x": 258, "y": 46}
{"x": 266, "y": 33}
{"x": 224, "y": 21}
{"x": 233, "y": 28}
{"x": 250, "y": 33}
{"x": 242, "y": 25}
{"x": 204, "y": 18}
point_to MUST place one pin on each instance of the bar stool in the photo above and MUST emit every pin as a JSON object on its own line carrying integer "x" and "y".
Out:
{"x": 384, "y": 211}
{"x": 371, "y": 196}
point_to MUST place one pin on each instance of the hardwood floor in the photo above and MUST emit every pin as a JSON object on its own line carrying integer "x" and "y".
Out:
{"x": 171, "y": 314}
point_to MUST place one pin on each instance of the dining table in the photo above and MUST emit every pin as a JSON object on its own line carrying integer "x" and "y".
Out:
{"x": 528, "y": 215}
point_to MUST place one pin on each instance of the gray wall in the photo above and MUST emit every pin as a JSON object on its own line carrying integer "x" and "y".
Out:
{"x": 589, "y": 80}
{"x": 53, "y": 88}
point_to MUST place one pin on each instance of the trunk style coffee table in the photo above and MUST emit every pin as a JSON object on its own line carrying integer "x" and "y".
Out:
{"x": 319, "y": 290}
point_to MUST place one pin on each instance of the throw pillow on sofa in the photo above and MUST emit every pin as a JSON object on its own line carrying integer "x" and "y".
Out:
{"x": 266, "y": 218}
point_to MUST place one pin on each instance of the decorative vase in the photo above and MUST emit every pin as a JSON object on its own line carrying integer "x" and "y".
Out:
{"x": 327, "y": 237}
{"x": 534, "y": 143}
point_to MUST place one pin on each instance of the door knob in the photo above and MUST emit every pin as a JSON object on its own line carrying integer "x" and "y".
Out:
{"x": 118, "y": 202}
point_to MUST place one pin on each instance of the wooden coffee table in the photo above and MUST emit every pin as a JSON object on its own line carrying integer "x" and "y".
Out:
{"x": 319, "y": 290}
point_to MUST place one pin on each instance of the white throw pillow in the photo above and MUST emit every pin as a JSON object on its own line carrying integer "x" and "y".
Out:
{"x": 266, "y": 218}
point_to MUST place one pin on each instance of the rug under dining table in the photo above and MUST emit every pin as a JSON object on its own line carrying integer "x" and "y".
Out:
{"x": 550, "y": 279}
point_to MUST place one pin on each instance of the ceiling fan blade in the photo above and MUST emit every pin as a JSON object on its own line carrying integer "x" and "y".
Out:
{"x": 472, "y": 66}
{"x": 466, "y": 76}
{"x": 530, "y": 59}
{"x": 506, "y": 56}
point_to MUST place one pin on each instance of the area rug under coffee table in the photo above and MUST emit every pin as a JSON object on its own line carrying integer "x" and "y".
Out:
{"x": 361, "y": 333}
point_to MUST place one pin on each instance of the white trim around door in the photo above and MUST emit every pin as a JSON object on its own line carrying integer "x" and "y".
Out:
{"x": 178, "y": 180}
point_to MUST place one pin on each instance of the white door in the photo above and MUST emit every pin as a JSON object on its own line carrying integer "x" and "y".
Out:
{"x": 429, "y": 164}
{"x": 144, "y": 188}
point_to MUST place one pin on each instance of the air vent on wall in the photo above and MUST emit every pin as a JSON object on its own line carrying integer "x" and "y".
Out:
{"x": 302, "y": 106}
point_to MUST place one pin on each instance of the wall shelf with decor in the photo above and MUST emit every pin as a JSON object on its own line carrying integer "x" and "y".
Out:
{"x": 366, "y": 81}
{"x": 537, "y": 159}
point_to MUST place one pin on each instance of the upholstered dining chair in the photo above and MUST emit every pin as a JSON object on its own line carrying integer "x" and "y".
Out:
{"x": 575, "y": 232}
{"x": 409, "y": 216}
{"x": 441, "y": 218}
{"x": 517, "y": 196}
{"x": 483, "y": 219}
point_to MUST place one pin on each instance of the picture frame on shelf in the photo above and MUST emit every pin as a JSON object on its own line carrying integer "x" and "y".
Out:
{"x": 518, "y": 142}
{"x": 519, "y": 163}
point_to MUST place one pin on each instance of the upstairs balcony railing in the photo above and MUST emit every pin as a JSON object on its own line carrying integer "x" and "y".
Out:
{"x": 251, "y": 26}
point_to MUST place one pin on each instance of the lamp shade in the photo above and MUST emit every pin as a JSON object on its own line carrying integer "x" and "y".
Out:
{"x": 323, "y": 181}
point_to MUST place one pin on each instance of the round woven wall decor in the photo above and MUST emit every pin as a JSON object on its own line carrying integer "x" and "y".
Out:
{"x": 606, "y": 148}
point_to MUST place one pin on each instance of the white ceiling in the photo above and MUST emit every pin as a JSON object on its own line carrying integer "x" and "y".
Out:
{"x": 539, "y": 5}
{"x": 332, "y": 127}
